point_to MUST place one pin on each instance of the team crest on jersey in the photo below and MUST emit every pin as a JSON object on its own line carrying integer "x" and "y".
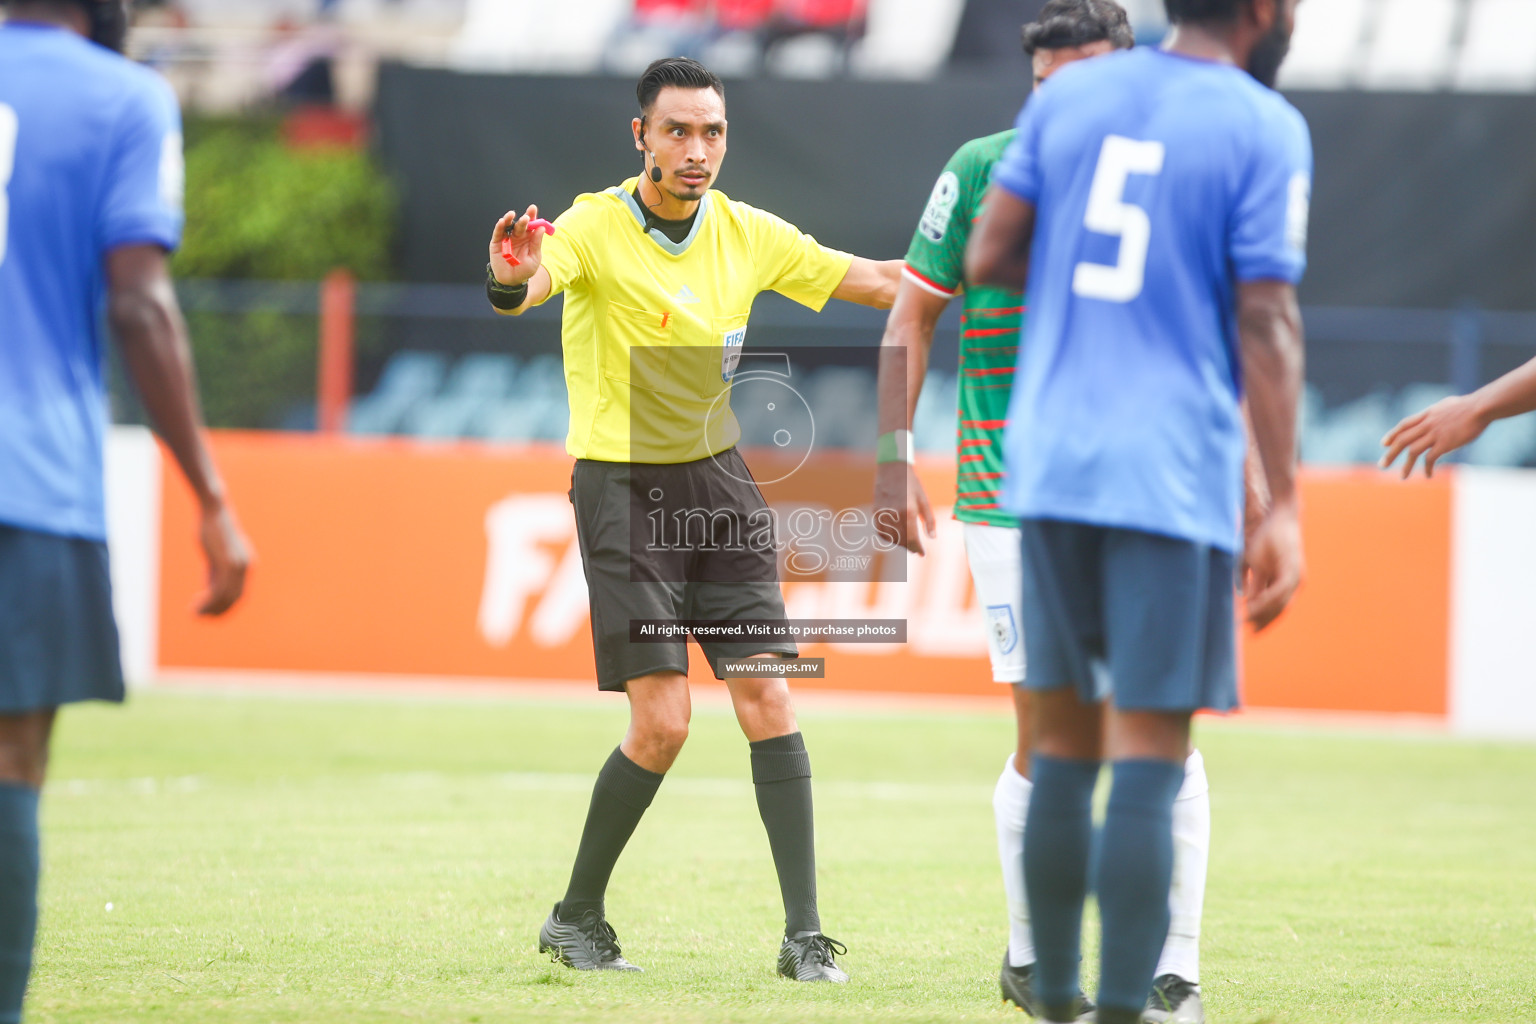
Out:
{"x": 946, "y": 193}
{"x": 730, "y": 353}
{"x": 1298, "y": 208}
{"x": 1005, "y": 633}
{"x": 173, "y": 172}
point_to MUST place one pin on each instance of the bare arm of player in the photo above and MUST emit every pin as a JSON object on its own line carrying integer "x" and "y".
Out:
{"x": 528, "y": 247}
{"x": 907, "y": 342}
{"x": 998, "y": 253}
{"x": 146, "y": 321}
{"x": 870, "y": 282}
{"x": 1255, "y": 488}
{"x": 1269, "y": 326}
{"x": 1457, "y": 421}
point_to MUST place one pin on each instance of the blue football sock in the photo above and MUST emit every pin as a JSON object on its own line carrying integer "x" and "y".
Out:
{"x": 18, "y": 894}
{"x": 1058, "y": 833}
{"x": 1132, "y": 878}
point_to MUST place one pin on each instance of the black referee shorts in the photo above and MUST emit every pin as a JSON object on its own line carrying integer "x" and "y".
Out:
{"x": 690, "y": 540}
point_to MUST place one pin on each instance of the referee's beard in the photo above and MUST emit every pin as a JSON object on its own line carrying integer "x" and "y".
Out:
{"x": 685, "y": 191}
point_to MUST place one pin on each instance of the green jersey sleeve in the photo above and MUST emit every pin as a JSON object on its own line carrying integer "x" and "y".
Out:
{"x": 936, "y": 257}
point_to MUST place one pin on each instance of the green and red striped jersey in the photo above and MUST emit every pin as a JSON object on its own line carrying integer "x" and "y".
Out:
{"x": 989, "y": 326}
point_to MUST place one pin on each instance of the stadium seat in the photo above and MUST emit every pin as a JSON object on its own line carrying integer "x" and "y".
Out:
{"x": 842, "y": 400}
{"x": 1498, "y": 52}
{"x": 544, "y": 375}
{"x": 756, "y": 422}
{"x": 1509, "y": 443}
{"x": 536, "y": 35}
{"x": 1411, "y": 46}
{"x": 933, "y": 424}
{"x": 527, "y": 418}
{"x": 408, "y": 378}
{"x": 907, "y": 38}
{"x": 1350, "y": 434}
{"x": 1325, "y": 50}
{"x": 534, "y": 408}
{"x": 1418, "y": 397}
{"x": 476, "y": 381}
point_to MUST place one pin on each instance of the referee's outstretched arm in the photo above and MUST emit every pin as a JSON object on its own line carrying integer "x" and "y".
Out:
{"x": 147, "y": 323}
{"x": 870, "y": 282}
{"x": 867, "y": 282}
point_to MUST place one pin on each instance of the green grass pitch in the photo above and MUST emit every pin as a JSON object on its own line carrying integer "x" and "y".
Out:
{"x": 225, "y": 858}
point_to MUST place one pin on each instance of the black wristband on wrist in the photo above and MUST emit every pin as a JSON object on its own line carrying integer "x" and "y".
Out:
{"x": 502, "y": 296}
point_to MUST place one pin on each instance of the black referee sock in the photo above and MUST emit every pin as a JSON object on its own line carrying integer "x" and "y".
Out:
{"x": 781, "y": 770}
{"x": 622, "y": 793}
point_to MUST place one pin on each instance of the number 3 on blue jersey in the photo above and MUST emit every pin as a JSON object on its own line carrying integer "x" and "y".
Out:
{"x": 1109, "y": 214}
{"x": 8, "y": 125}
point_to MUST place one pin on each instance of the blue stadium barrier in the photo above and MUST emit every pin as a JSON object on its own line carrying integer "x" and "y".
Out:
{"x": 496, "y": 397}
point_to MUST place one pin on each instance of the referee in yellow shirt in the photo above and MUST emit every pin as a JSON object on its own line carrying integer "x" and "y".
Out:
{"x": 659, "y": 275}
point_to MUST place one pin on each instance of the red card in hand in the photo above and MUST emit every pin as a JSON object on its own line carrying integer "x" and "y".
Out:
{"x": 537, "y": 224}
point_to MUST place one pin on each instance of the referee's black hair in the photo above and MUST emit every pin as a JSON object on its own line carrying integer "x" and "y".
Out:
{"x": 1072, "y": 23}
{"x": 1196, "y": 11}
{"x": 682, "y": 72}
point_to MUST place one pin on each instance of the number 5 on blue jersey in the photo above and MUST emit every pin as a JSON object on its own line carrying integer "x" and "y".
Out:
{"x": 1109, "y": 214}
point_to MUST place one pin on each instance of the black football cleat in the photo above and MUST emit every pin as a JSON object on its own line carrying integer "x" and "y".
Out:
{"x": 808, "y": 956}
{"x": 587, "y": 944}
{"x": 1018, "y": 985}
{"x": 1174, "y": 1001}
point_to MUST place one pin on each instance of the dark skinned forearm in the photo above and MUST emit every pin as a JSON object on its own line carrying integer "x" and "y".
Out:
{"x": 1269, "y": 325}
{"x": 152, "y": 337}
{"x": 999, "y": 249}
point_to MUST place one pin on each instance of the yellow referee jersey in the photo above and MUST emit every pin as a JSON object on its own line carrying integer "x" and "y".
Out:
{"x": 653, "y": 329}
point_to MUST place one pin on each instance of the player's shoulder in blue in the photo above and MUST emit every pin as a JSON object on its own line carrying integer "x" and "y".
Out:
{"x": 1150, "y": 72}
{"x": 1173, "y": 89}
{"x": 64, "y": 63}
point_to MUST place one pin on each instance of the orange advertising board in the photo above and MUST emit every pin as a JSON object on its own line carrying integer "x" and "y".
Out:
{"x": 461, "y": 560}
{"x": 1370, "y": 628}
{"x": 394, "y": 557}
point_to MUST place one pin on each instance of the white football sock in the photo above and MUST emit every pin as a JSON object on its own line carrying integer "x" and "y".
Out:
{"x": 1010, "y": 806}
{"x": 1191, "y": 853}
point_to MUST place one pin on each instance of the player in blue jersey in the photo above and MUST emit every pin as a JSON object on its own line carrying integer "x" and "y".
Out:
{"x": 90, "y": 204}
{"x": 1067, "y": 31}
{"x": 1156, "y": 201}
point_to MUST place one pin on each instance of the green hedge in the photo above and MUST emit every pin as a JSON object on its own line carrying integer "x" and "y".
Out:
{"x": 257, "y": 209}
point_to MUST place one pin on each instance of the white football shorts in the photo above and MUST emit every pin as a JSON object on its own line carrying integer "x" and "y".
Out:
{"x": 997, "y": 572}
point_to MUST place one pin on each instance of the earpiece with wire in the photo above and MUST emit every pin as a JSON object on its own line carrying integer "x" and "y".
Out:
{"x": 651, "y": 220}
{"x": 655, "y": 171}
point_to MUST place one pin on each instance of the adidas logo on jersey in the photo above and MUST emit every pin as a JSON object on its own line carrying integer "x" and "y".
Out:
{"x": 686, "y": 296}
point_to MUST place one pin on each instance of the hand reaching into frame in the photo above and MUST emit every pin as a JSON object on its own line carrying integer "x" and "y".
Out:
{"x": 1434, "y": 433}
